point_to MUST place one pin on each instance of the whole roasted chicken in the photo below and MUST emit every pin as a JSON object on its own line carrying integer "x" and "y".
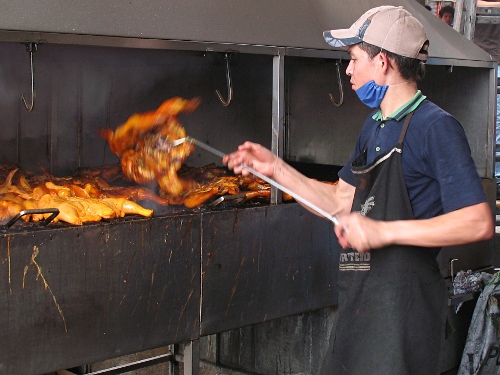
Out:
{"x": 143, "y": 144}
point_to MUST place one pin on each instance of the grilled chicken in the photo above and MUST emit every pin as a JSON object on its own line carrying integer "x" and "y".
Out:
{"x": 145, "y": 153}
{"x": 76, "y": 211}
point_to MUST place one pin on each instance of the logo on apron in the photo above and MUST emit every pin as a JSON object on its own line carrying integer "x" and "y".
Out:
{"x": 352, "y": 260}
{"x": 367, "y": 206}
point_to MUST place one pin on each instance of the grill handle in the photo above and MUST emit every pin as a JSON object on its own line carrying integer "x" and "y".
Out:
{"x": 53, "y": 211}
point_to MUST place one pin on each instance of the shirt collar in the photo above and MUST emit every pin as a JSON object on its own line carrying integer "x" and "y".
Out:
{"x": 402, "y": 111}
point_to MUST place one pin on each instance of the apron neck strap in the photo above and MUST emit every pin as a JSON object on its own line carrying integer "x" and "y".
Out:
{"x": 405, "y": 127}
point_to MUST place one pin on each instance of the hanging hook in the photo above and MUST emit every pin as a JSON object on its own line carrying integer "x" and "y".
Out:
{"x": 31, "y": 48}
{"x": 341, "y": 90}
{"x": 225, "y": 103}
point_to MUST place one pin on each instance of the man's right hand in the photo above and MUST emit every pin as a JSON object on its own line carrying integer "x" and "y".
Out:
{"x": 253, "y": 155}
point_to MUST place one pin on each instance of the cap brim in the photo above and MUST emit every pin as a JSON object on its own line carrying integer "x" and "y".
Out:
{"x": 341, "y": 38}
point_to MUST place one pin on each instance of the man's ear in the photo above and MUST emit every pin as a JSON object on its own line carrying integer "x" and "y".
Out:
{"x": 384, "y": 62}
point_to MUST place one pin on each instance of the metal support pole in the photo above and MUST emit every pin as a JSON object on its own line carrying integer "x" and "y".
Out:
{"x": 464, "y": 20}
{"x": 192, "y": 358}
{"x": 278, "y": 113}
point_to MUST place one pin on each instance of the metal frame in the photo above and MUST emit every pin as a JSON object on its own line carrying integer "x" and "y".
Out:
{"x": 278, "y": 113}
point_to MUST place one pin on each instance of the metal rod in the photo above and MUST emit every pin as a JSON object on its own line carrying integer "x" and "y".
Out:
{"x": 205, "y": 146}
{"x": 192, "y": 357}
{"x": 278, "y": 113}
{"x": 135, "y": 365}
{"x": 297, "y": 197}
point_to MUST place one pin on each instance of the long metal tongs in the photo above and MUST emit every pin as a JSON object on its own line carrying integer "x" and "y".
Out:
{"x": 220, "y": 154}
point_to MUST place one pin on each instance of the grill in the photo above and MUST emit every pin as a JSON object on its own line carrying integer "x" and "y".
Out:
{"x": 76, "y": 295}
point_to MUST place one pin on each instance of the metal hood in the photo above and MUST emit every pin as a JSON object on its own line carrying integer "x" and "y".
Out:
{"x": 297, "y": 24}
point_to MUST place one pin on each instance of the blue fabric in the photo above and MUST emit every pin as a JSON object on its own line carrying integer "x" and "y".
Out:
{"x": 439, "y": 172}
{"x": 335, "y": 42}
{"x": 371, "y": 94}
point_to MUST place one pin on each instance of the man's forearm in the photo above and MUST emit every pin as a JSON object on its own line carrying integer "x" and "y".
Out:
{"x": 469, "y": 224}
{"x": 334, "y": 199}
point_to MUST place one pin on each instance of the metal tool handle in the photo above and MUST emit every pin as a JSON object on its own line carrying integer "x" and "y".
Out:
{"x": 206, "y": 147}
{"x": 297, "y": 197}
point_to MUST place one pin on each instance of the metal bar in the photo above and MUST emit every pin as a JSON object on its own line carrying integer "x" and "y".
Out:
{"x": 488, "y": 11}
{"x": 53, "y": 211}
{"x": 192, "y": 358}
{"x": 278, "y": 113}
{"x": 488, "y": 19}
{"x": 129, "y": 42}
{"x": 135, "y": 365}
{"x": 205, "y": 146}
{"x": 297, "y": 197}
{"x": 173, "y": 368}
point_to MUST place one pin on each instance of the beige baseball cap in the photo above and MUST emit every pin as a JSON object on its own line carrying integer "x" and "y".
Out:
{"x": 391, "y": 28}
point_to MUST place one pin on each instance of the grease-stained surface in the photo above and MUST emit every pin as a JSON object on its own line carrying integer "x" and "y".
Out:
{"x": 74, "y": 296}
{"x": 79, "y": 295}
{"x": 264, "y": 263}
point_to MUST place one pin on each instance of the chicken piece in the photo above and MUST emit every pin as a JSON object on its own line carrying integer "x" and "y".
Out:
{"x": 5, "y": 187}
{"x": 68, "y": 190}
{"x": 68, "y": 212}
{"x": 253, "y": 194}
{"x": 12, "y": 197}
{"x": 108, "y": 172}
{"x": 134, "y": 193}
{"x": 155, "y": 159}
{"x": 122, "y": 206}
{"x": 9, "y": 209}
{"x": 219, "y": 186}
{"x": 61, "y": 191}
{"x": 146, "y": 153}
{"x": 199, "y": 196}
{"x": 126, "y": 135}
{"x": 30, "y": 204}
{"x": 92, "y": 209}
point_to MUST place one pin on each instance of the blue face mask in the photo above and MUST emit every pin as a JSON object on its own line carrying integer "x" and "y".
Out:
{"x": 371, "y": 94}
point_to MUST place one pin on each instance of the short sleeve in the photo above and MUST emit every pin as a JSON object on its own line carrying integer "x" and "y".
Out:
{"x": 448, "y": 160}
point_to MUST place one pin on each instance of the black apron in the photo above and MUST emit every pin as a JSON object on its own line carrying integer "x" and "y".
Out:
{"x": 392, "y": 301}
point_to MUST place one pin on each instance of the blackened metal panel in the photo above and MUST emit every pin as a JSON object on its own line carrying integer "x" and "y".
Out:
{"x": 78, "y": 295}
{"x": 317, "y": 131}
{"x": 82, "y": 89}
{"x": 265, "y": 263}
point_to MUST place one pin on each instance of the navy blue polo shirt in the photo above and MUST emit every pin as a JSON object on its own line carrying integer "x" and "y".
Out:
{"x": 439, "y": 172}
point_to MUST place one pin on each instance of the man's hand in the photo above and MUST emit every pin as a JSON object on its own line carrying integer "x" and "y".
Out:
{"x": 253, "y": 155}
{"x": 360, "y": 233}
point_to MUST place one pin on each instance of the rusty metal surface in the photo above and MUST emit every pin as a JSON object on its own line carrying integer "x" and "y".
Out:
{"x": 264, "y": 263}
{"x": 77, "y": 295}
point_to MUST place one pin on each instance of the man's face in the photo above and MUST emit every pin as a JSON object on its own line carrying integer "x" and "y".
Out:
{"x": 447, "y": 18}
{"x": 361, "y": 69}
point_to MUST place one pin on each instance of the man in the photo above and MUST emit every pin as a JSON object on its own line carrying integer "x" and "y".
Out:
{"x": 409, "y": 188}
{"x": 446, "y": 14}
